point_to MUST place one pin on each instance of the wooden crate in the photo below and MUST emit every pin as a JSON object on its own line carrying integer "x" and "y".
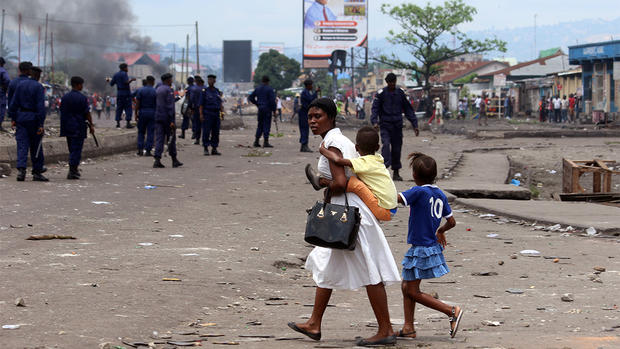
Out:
{"x": 574, "y": 169}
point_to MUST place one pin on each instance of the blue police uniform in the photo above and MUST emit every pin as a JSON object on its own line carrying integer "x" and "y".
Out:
{"x": 194, "y": 102}
{"x": 4, "y": 86}
{"x": 27, "y": 109}
{"x": 73, "y": 111}
{"x": 189, "y": 92}
{"x": 11, "y": 90}
{"x": 146, "y": 117}
{"x": 123, "y": 95}
{"x": 211, "y": 102}
{"x": 265, "y": 99}
{"x": 164, "y": 116}
{"x": 307, "y": 96}
{"x": 387, "y": 111}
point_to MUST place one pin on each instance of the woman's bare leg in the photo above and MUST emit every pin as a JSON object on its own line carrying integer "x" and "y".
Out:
{"x": 378, "y": 302}
{"x": 321, "y": 299}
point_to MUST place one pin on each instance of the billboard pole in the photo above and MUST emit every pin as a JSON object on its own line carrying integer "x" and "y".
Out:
{"x": 197, "y": 50}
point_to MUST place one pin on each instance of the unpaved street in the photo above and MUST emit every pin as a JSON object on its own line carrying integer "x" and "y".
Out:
{"x": 230, "y": 228}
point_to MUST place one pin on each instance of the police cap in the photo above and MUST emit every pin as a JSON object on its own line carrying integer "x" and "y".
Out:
{"x": 166, "y": 76}
{"x": 391, "y": 77}
{"x": 211, "y": 76}
{"x": 2, "y": 61}
{"x": 76, "y": 80}
{"x": 25, "y": 66}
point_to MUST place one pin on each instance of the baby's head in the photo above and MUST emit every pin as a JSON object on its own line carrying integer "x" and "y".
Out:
{"x": 367, "y": 141}
{"x": 424, "y": 168}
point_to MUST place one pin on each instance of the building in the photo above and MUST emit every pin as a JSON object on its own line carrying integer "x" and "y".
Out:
{"x": 600, "y": 64}
{"x": 140, "y": 64}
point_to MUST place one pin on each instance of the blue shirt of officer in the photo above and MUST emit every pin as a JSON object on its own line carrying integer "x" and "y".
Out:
{"x": 164, "y": 105}
{"x": 28, "y": 103}
{"x": 147, "y": 95}
{"x": 211, "y": 99}
{"x": 121, "y": 80}
{"x": 11, "y": 90}
{"x": 264, "y": 97}
{"x": 389, "y": 105}
{"x": 73, "y": 111}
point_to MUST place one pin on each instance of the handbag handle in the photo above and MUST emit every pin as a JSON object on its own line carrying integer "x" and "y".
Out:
{"x": 346, "y": 198}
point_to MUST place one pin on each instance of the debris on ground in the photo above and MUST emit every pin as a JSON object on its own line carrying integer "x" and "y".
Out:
{"x": 51, "y": 237}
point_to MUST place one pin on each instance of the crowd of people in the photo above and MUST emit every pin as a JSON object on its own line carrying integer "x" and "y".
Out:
{"x": 559, "y": 110}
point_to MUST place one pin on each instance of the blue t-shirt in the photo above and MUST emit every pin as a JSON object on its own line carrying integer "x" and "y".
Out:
{"x": 428, "y": 206}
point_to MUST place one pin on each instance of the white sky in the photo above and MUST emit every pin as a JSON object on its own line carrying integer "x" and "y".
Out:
{"x": 281, "y": 20}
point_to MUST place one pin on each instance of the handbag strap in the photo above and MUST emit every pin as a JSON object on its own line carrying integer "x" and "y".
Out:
{"x": 328, "y": 196}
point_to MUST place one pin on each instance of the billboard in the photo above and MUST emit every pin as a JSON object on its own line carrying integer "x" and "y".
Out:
{"x": 237, "y": 63}
{"x": 331, "y": 28}
{"x": 265, "y": 47}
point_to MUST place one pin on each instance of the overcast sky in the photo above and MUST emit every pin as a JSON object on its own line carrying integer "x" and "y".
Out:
{"x": 281, "y": 20}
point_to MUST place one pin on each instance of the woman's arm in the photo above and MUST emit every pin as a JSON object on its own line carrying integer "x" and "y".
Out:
{"x": 339, "y": 181}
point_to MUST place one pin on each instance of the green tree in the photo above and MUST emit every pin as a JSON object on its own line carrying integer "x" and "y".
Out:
{"x": 323, "y": 79}
{"x": 6, "y": 52}
{"x": 425, "y": 32}
{"x": 281, "y": 70}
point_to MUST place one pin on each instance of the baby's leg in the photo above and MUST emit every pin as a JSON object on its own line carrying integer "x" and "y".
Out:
{"x": 358, "y": 187}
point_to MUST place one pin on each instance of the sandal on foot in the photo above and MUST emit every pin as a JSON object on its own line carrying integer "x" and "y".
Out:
{"x": 312, "y": 177}
{"x": 456, "y": 320}
{"x": 402, "y": 334}
{"x": 315, "y": 336}
{"x": 389, "y": 340}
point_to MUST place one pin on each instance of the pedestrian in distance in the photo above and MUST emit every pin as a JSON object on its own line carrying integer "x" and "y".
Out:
{"x": 27, "y": 111}
{"x": 482, "y": 111}
{"x": 264, "y": 97}
{"x": 211, "y": 110}
{"x": 75, "y": 118}
{"x": 308, "y": 95}
{"x": 165, "y": 125}
{"x": 99, "y": 107}
{"x": 146, "y": 99}
{"x": 196, "y": 94}
{"x": 4, "y": 86}
{"x": 189, "y": 108}
{"x": 387, "y": 116}
{"x": 425, "y": 260}
{"x": 123, "y": 94}
{"x": 108, "y": 105}
{"x": 279, "y": 107}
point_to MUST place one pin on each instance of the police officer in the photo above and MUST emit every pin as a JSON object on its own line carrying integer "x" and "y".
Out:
{"x": 210, "y": 108}
{"x": 264, "y": 97}
{"x": 145, "y": 115}
{"x": 165, "y": 126}
{"x": 27, "y": 110}
{"x": 24, "y": 74}
{"x": 387, "y": 109}
{"x": 74, "y": 119}
{"x": 4, "y": 86}
{"x": 195, "y": 102}
{"x": 187, "y": 113}
{"x": 307, "y": 96}
{"x": 123, "y": 94}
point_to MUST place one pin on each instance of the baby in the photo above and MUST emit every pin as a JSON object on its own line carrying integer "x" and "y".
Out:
{"x": 374, "y": 186}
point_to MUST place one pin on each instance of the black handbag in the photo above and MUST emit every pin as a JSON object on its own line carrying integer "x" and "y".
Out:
{"x": 333, "y": 226}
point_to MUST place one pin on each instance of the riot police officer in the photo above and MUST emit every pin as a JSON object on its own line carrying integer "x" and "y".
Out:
{"x": 307, "y": 96}
{"x": 165, "y": 126}
{"x": 387, "y": 109}
{"x": 265, "y": 99}
{"x": 27, "y": 111}
{"x": 210, "y": 108}
{"x": 123, "y": 94}
{"x": 145, "y": 116}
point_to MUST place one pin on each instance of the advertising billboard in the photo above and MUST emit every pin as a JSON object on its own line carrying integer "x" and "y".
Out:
{"x": 331, "y": 28}
{"x": 265, "y": 47}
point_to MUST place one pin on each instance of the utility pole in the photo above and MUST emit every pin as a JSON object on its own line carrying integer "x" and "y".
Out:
{"x": 352, "y": 73}
{"x": 197, "y": 50}
{"x": 174, "y": 62}
{"x": 182, "y": 66}
{"x": 535, "y": 56}
{"x": 45, "y": 47}
{"x": 52, "y": 49}
{"x": 19, "y": 45}
{"x": 39, "y": 49}
{"x": 187, "y": 55}
{"x": 2, "y": 32}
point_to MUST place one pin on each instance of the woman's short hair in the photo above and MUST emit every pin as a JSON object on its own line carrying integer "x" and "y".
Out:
{"x": 326, "y": 105}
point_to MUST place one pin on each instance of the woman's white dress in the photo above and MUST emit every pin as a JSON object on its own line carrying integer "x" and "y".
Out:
{"x": 371, "y": 262}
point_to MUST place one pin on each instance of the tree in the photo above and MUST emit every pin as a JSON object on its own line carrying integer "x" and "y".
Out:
{"x": 281, "y": 70}
{"x": 425, "y": 32}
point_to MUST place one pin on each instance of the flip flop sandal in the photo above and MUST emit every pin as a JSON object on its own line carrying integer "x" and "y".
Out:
{"x": 401, "y": 334}
{"x": 456, "y": 320}
{"x": 390, "y": 340}
{"x": 313, "y": 178}
{"x": 315, "y": 336}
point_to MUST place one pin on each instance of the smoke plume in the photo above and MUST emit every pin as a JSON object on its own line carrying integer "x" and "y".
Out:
{"x": 83, "y": 31}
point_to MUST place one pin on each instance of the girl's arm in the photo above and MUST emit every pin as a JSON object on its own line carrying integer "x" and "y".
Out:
{"x": 441, "y": 236}
{"x": 339, "y": 182}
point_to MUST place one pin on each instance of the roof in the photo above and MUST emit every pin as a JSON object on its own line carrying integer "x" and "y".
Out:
{"x": 455, "y": 70}
{"x": 537, "y": 67}
{"x": 132, "y": 58}
{"x": 548, "y": 52}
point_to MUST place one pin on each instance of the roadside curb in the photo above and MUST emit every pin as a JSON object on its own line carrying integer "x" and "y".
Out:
{"x": 56, "y": 149}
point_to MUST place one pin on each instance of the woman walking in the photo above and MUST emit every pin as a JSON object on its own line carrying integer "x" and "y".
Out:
{"x": 370, "y": 264}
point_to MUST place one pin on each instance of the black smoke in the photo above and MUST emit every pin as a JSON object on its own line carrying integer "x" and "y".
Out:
{"x": 83, "y": 31}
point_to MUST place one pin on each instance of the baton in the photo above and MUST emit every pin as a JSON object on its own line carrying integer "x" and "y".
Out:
{"x": 39, "y": 148}
{"x": 92, "y": 134}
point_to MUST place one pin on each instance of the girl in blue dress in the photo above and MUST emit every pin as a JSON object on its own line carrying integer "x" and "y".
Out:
{"x": 425, "y": 260}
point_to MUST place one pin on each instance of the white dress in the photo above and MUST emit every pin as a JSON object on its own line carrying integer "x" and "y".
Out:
{"x": 371, "y": 262}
